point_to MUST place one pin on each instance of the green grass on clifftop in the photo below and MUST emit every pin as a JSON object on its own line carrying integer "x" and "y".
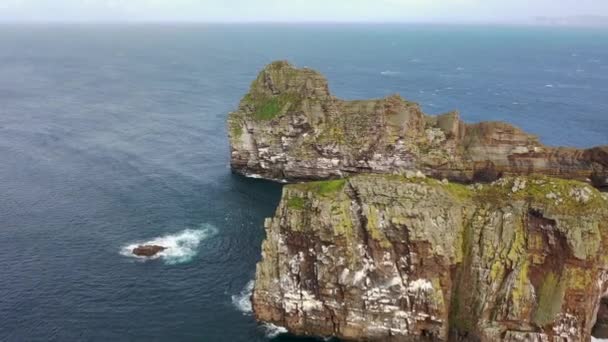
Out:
{"x": 298, "y": 203}
{"x": 268, "y": 108}
{"x": 323, "y": 187}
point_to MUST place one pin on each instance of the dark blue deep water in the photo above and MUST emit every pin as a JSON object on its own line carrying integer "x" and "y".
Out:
{"x": 115, "y": 134}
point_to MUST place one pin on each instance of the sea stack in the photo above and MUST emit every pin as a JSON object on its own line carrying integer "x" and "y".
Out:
{"x": 290, "y": 127}
{"x": 414, "y": 227}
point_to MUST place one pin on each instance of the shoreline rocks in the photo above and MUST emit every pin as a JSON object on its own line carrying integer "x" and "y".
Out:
{"x": 289, "y": 127}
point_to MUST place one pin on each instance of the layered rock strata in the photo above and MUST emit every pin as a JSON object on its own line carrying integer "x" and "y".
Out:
{"x": 289, "y": 127}
{"x": 392, "y": 258}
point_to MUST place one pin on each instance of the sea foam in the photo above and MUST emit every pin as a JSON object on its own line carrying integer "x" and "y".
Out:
{"x": 181, "y": 246}
{"x": 272, "y": 330}
{"x": 242, "y": 301}
{"x": 389, "y": 73}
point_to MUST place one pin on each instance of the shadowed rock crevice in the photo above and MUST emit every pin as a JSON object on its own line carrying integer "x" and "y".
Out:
{"x": 600, "y": 329}
{"x": 289, "y": 127}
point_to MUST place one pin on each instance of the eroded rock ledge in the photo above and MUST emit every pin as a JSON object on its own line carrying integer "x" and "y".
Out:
{"x": 391, "y": 258}
{"x": 289, "y": 127}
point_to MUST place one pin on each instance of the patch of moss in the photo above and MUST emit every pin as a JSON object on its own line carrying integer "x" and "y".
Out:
{"x": 579, "y": 278}
{"x": 236, "y": 129}
{"x": 269, "y": 107}
{"x": 464, "y": 241}
{"x": 331, "y": 186}
{"x": 323, "y": 187}
{"x": 519, "y": 291}
{"x": 563, "y": 189}
{"x": 297, "y": 203}
{"x": 541, "y": 190}
{"x": 496, "y": 271}
{"x": 438, "y": 293}
{"x": 344, "y": 225}
{"x": 461, "y": 316}
{"x": 414, "y": 180}
{"x": 550, "y": 298}
{"x": 458, "y": 191}
{"x": 267, "y": 110}
{"x": 518, "y": 247}
{"x": 332, "y": 134}
{"x": 373, "y": 227}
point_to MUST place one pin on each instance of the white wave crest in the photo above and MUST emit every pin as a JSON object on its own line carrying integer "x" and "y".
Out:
{"x": 272, "y": 330}
{"x": 242, "y": 301}
{"x": 389, "y": 73}
{"x": 180, "y": 247}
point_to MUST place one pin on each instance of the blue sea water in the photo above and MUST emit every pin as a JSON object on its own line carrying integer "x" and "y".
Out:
{"x": 112, "y": 135}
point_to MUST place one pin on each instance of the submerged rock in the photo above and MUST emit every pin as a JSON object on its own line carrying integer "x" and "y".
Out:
{"x": 148, "y": 250}
{"x": 289, "y": 127}
{"x": 390, "y": 257}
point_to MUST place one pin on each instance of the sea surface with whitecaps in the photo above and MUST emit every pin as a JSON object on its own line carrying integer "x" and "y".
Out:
{"x": 115, "y": 135}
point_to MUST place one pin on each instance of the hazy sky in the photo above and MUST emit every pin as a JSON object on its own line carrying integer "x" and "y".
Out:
{"x": 298, "y": 10}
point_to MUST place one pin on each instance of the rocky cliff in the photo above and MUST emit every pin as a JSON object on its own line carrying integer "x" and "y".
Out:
{"x": 289, "y": 127}
{"x": 392, "y": 258}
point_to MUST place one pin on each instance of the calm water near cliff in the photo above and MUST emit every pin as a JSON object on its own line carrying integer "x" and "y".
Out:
{"x": 113, "y": 135}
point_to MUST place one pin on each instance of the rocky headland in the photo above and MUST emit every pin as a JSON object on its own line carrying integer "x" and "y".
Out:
{"x": 289, "y": 127}
{"x": 422, "y": 227}
{"x": 390, "y": 258}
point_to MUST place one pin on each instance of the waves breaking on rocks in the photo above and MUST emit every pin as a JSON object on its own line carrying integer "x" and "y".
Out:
{"x": 273, "y": 330}
{"x": 181, "y": 246}
{"x": 242, "y": 301}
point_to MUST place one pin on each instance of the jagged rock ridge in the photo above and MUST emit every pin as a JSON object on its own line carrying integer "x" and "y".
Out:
{"x": 289, "y": 127}
{"x": 390, "y": 258}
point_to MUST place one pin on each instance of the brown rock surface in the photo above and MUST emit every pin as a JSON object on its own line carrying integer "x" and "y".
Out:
{"x": 392, "y": 258}
{"x": 148, "y": 250}
{"x": 289, "y": 127}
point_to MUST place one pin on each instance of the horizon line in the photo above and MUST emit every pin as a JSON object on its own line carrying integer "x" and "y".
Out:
{"x": 300, "y": 22}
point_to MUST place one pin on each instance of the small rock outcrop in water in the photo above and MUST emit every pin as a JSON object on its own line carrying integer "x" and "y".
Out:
{"x": 148, "y": 250}
{"x": 395, "y": 258}
{"x": 289, "y": 127}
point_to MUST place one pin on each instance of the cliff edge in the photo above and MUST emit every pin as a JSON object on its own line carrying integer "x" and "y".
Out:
{"x": 392, "y": 258}
{"x": 289, "y": 127}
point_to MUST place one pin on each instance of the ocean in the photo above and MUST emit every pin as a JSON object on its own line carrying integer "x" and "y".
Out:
{"x": 115, "y": 134}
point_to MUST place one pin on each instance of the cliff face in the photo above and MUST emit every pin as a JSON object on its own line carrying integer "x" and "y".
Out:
{"x": 391, "y": 258}
{"x": 289, "y": 127}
